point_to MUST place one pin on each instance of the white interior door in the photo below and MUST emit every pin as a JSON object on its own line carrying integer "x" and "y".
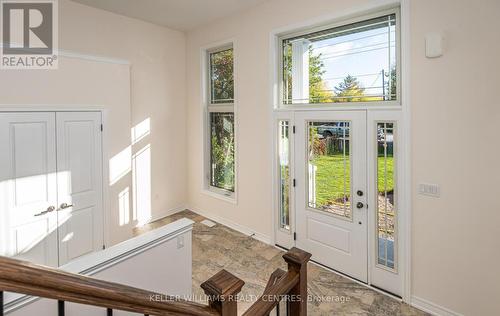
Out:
{"x": 79, "y": 184}
{"x": 28, "y": 190}
{"x": 331, "y": 212}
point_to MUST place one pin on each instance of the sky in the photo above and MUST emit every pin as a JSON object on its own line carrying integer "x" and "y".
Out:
{"x": 362, "y": 55}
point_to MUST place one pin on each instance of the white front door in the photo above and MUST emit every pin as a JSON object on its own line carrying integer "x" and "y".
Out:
{"x": 50, "y": 185}
{"x": 331, "y": 212}
{"x": 79, "y": 184}
{"x": 28, "y": 190}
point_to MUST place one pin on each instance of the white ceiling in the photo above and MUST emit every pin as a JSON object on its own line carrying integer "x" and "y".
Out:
{"x": 182, "y": 15}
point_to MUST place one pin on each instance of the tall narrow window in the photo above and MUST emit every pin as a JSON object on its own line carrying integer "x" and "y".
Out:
{"x": 355, "y": 62}
{"x": 386, "y": 204}
{"x": 284, "y": 173}
{"x": 221, "y": 135}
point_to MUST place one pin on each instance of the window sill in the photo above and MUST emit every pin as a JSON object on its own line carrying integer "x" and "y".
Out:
{"x": 218, "y": 194}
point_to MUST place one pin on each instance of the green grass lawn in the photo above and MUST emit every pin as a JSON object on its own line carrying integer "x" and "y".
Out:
{"x": 330, "y": 177}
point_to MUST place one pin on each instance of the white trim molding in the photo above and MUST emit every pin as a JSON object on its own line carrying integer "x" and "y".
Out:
{"x": 166, "y": 213}
{"x": 237, "y": 227}
{"x": 432, "y": 308}
{"x": 89, "y": 57}
{"x": 406, "y": 203}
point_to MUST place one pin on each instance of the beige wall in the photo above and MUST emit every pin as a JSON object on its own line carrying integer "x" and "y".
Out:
{"x": 455, "y": 250}
{"x": 151, "y": 87}
{"x": 157, "y": 81}
{"x": 456, "y": 244}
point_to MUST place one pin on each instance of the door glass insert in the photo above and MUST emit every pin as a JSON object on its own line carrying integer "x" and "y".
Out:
{"x": 284, "y": 173}
{"x": 386, "y": 206}
{"x": 329, "y": 167}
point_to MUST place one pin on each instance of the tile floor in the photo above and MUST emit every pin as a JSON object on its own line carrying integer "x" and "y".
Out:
{"x": 253, "y": 261}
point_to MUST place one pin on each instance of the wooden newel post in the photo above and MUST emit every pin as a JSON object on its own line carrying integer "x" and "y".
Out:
{"x": 297, "y": 261}
{"x": 222, "y": 290}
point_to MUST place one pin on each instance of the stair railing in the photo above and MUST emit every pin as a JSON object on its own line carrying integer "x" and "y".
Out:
{"x": 222, "y": 291}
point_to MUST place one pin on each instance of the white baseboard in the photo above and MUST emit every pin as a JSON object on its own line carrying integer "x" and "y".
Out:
{"x": 431, "y": 307}
{"x": 166, "y": 213}
{"x": 239, "y": 228}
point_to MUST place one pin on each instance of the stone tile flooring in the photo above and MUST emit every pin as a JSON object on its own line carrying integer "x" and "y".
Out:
{"x": 253, "y": 261}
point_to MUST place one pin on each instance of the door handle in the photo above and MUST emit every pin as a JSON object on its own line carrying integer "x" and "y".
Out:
{"x": 360, "y": 205}
{"x": 65, "y": 206}
{"x": 48, "y": 210}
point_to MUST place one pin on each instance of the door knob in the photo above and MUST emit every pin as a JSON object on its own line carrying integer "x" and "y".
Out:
{"x": 65, "y": 205}
{"x": 48, "y": 210}
{"x": 360, "y": 193}
{"x": 360, "y": 205}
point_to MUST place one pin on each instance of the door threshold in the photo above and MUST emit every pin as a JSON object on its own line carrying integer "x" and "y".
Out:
{"x": 372, "y": 287}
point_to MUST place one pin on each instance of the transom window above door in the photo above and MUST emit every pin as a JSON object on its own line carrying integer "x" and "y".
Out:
{"x": 352, "y": 62}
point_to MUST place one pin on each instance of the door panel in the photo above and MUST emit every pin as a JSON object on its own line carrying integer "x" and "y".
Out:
{"x": 331, "y": 167}
{"x": 28, "y": 187}
{"x": 79, "y": 184}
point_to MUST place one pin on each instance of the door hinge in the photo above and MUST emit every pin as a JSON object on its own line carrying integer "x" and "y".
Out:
{"x": 294, "y": 236}
{"x": 103, "y": 247}
{"x": 102, "y": 127}
{"x": 294, "y": 183}
{"x": 293, "y": 129}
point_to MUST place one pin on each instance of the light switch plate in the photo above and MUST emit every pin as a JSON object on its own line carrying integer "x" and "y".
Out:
{"x": 429, "y": 189}
{"x": 180, "y": 242}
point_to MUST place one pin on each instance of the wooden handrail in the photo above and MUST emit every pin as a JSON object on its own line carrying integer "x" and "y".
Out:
{"x": 30, "y": 279}
{"x": 276, "y": 288}
{"x": 291, "y": 285}
{"x": 222, "y": 290}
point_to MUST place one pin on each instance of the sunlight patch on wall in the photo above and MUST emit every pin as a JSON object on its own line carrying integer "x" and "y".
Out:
{"x": 120, "y": 165}
{"x": 140, "y": 131}
{"x": 142, "y": 185}
{"x": 124, "y": 206}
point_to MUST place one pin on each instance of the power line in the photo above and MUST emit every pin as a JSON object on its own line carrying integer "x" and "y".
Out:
{"x": 357, "y": 76}
{"x": 351, "y": 40}
{"x": 365, "y": 51}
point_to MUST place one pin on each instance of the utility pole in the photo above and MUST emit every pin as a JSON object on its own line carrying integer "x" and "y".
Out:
{"x": 383, "y": 84}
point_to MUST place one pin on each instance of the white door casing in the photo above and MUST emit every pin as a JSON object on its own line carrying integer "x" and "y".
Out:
{"x": 28, "y": 190}
{"x": 337, "y": 242}
{"x": 388, "y": 275}
{"x": 79, "y": 182}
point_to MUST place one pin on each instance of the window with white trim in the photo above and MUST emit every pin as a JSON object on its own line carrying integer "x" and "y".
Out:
{"x": 220, "y": 158}
{"x": 350, "y": 62}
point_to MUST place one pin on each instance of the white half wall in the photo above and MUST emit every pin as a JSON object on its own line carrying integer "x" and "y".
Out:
{"x": 153, "y": 261}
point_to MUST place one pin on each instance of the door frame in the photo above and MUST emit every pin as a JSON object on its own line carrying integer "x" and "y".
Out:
{"x": 104, "y": 147}
{"x": 276, "y": 113}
